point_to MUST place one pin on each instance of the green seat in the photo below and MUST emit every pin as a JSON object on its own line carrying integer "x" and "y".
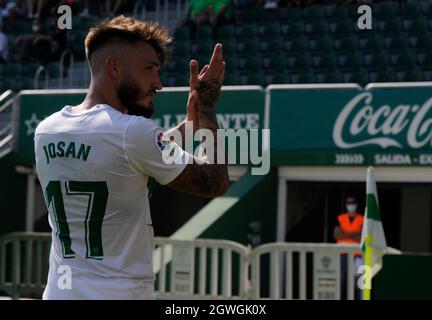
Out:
{"x": 272, "y": 44}
{"x": 387, "y": 9}
{"x": 53, "y": 69}
{"x": 226, "y": 33}
{"x": 181, "y": 80}
{"x": 385, "y": 75}
{"x": 204, "y": 48}
{"x": 345, "y": 45}
{"x": 410, "y": 75}
{"x": 307, "y": 77}
{"x": 181, "y": 48}
{"x": 333, "y": 76}
{"x": 373, "y": 43}
{"x": 417, "y": 27}
{"x": 13, "y": 69}
{"x": 267, "y": 15}
{"x": 292, "y": 29}
{"x": 269, "y": 29}
{"x": 322, "y": 44}
{"x": 338, "y": 13}
{"x": 296, "y": 45}
{"x": 396, "y": 43}
{"x": 404, "y": 59}
{"x": 390, "y": 26}
{"x": 342, "y": 28}
{"x": 249, "y": 46}
{"x": 255, "y": 78}
{"x": 317, "y": 28}
{"x": 229, "y": 47}
{"x": 350, "y": 62}
{"x": 275, "y": 62}
{"x": 280, "y": 78}
{"x": 376, "y": 60}
{"x": 299, "y": 63}
{"x": 247, "y": 31}
{"x": 423, "y": 43}
{"x": 360, "y": 76}
{"x": 29, "y": 69}
{"x": 313, "y": 13}
{"x": 290, "y": 14}
{"x": 426, "y": 63}
{"x": 181, "y": 34}
{"x": 204, "y": 32}
{"x": 411, "y": 10}
{"x": 250, "y": 63}
{"x": 231, "y": 79}
{"x": 325, "y": 62}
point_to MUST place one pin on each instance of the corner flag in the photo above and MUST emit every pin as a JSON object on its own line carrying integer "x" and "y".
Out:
{"x": 373, "y": 241}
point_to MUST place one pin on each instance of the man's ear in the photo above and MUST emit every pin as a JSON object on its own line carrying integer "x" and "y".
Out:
{"x": 112, "y": 65}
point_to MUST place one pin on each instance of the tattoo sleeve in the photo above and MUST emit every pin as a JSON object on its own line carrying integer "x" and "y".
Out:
{"x": 205, "y": 179}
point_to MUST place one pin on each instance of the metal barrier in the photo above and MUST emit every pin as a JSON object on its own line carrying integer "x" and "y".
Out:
{"x": 24, "y": 263}
{"x": 201, "y": 269}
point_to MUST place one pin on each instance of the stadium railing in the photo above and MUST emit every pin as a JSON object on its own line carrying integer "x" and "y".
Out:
{"x": 202, "y": 268}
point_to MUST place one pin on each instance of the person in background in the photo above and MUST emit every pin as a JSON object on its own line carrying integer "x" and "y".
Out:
{"x": 348, "y": 230}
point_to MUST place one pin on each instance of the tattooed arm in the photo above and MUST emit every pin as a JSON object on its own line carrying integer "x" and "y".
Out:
{"x": 205, "y": 179}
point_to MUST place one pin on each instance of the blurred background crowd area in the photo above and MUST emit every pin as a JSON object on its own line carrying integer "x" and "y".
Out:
{"x": 265, "y": 41}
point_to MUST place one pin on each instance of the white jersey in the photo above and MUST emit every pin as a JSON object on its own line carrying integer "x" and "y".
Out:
{"x": 94, "y": 166}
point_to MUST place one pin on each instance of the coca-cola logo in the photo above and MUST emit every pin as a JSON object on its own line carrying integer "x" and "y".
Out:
{"x": 381, "y": 125}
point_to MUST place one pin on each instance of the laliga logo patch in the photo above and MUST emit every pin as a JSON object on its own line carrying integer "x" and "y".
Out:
{"x": 165, "y": 146}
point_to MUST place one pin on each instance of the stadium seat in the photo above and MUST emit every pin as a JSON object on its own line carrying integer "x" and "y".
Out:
{"x": 325, "y": 62}
{"x": 360, "y": 76}
{"x": 373, "y": 43}
{"x": 350, "y": 62}
{"x": 247, "y": 31}
{"x": 342, "y": 28}
{"x": 181, "y": 48}
{"x": 29, "y": 69}
{"x": 396, "y": 43}
{"x": 416, "y": 26}
{"x": 250, "y": 63}
{"x": 280, "y": 78}
{"x": 426, "y": 62}
{"x": 296, "y": 45}
{"x": 322, "y": 44}
{"x": 409, "y": 75}
{"x": 338, "y": 13}
{"x": 272, "y": 44}
{"x": 253, "y": 78}
{"x": 290, "y": 14}
{"x": 226, "y": 33}
{"x": 390, "y": 26}
{"x": 229, "y": 47}
{"x": 411, "y": 10}
{"x": 388, "y": 9}
{"x": 299, "y": 63}
{"x": 329, "y": 77}
{"x": 303, "y": 78}
{"x": 292, "y": 29}
{"x": 267, "y": 15}
{"x": 275, "y": 62}
{"x": 231, "y": 78}
{"x": 313, "y": 13}
{"x": 13, "y": 69}
{"x": 181, "y": 34}
{"x": 316, "y": 28}
{"x": 249, "y": 46}
{"x": 376, "y": 60}
{"x": 269, "y": 29}
{"x": 345, "y": 45}
{"x": 404, "y": 59}
{"x": 204, "y": 32}
{"x": 384, "y": 75}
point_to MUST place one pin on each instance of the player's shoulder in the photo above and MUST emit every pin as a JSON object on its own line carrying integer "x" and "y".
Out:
{"x": 141, "y": 124}
{"x": 46, "y": 124}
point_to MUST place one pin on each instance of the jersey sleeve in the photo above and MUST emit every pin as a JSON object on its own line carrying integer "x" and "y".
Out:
{"x": 150, "y": 153}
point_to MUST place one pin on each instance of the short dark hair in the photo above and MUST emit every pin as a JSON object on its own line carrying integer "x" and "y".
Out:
{"x": 131, "y": 31}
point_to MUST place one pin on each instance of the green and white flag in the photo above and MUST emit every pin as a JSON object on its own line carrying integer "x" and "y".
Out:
{"x": 373, "y": 232}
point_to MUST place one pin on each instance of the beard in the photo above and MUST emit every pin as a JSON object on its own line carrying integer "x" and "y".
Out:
{"x": 129, "y": 94}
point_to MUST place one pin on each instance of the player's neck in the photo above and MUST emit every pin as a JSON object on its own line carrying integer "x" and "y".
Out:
{"x": 96, "y": 95}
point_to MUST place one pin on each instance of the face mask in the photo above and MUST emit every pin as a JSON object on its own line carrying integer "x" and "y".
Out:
{"x": 351, "y": 207}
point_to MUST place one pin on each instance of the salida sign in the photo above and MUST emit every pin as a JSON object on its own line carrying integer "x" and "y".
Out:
{"x": 346, "y": 125}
